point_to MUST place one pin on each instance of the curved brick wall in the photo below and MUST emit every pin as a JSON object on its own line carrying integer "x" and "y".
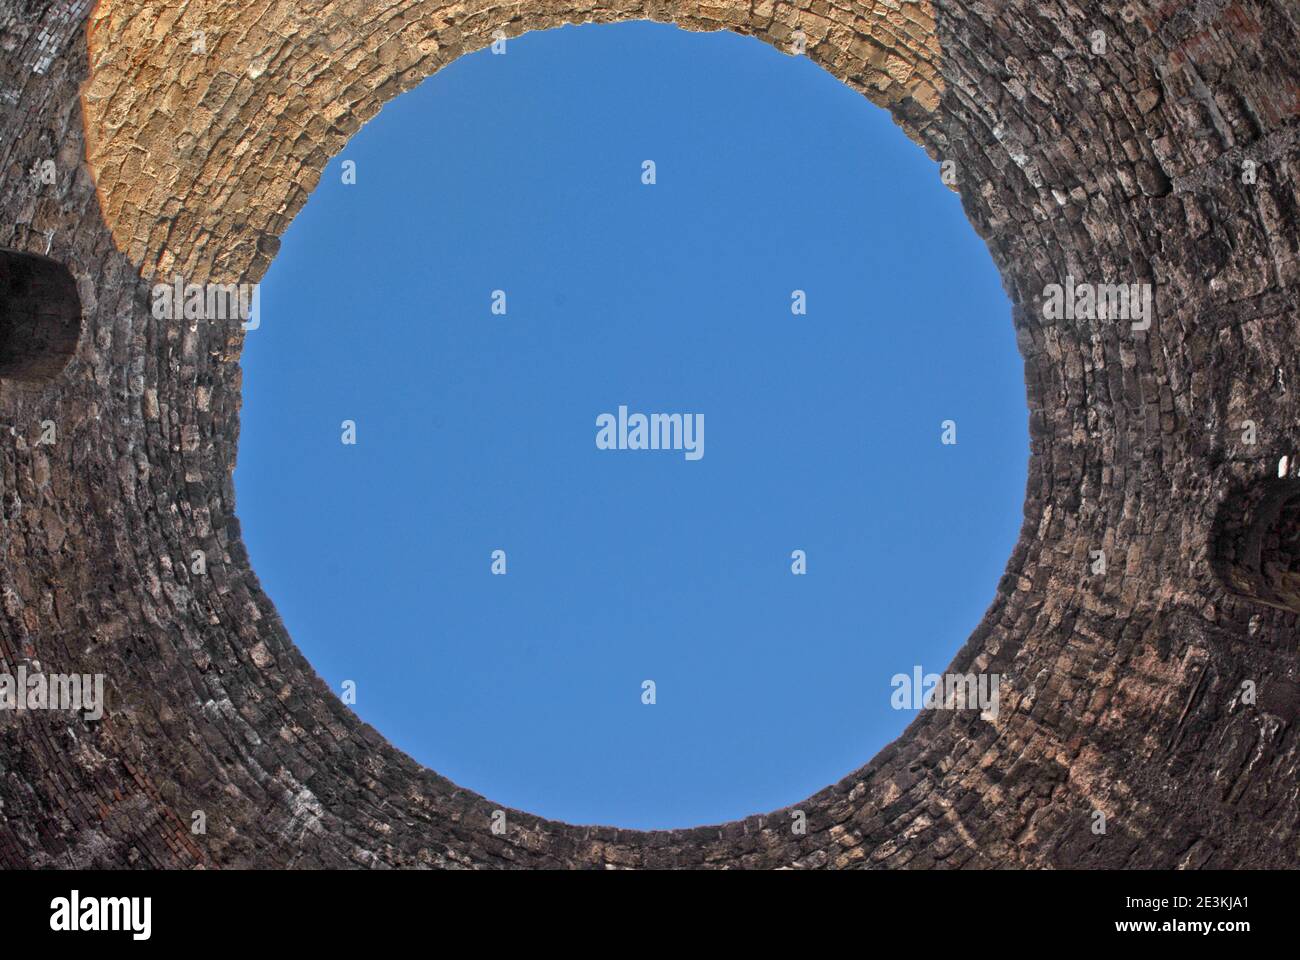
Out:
{"x": 1128, "y": 689}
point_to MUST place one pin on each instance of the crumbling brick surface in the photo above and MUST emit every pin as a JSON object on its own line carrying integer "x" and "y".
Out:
{"x": 1126, "y": 689}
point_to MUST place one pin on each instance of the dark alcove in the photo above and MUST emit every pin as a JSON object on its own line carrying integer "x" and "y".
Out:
{"x": 40, "y": 317}
{"x": 1257, "y": 543}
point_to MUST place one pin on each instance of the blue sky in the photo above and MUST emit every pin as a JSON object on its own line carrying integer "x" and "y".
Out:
{"x": 476, "y": 432}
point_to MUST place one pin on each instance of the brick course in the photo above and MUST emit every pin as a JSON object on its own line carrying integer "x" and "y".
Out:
{"x": 1126, "y": 689}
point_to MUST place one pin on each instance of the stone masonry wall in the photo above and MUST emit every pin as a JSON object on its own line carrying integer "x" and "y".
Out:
{"x": 1126, "y": 688}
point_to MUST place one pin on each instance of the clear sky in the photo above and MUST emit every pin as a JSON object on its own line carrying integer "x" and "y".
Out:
{"x": 476, "y": 431}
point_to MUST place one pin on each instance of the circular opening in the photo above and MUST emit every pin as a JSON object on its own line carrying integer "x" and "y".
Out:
{"x": 487, "y": 270}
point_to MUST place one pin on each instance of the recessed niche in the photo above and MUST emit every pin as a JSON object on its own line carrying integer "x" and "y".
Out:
{"x": 40, "y": 317}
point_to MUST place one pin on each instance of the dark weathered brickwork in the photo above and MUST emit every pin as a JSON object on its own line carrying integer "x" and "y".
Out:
{"x": 1158, "y": 692}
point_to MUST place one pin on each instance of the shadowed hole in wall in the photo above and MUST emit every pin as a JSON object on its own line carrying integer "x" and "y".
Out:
{"x": 40, "y": 317}
{"x": 1257, "y": 541}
